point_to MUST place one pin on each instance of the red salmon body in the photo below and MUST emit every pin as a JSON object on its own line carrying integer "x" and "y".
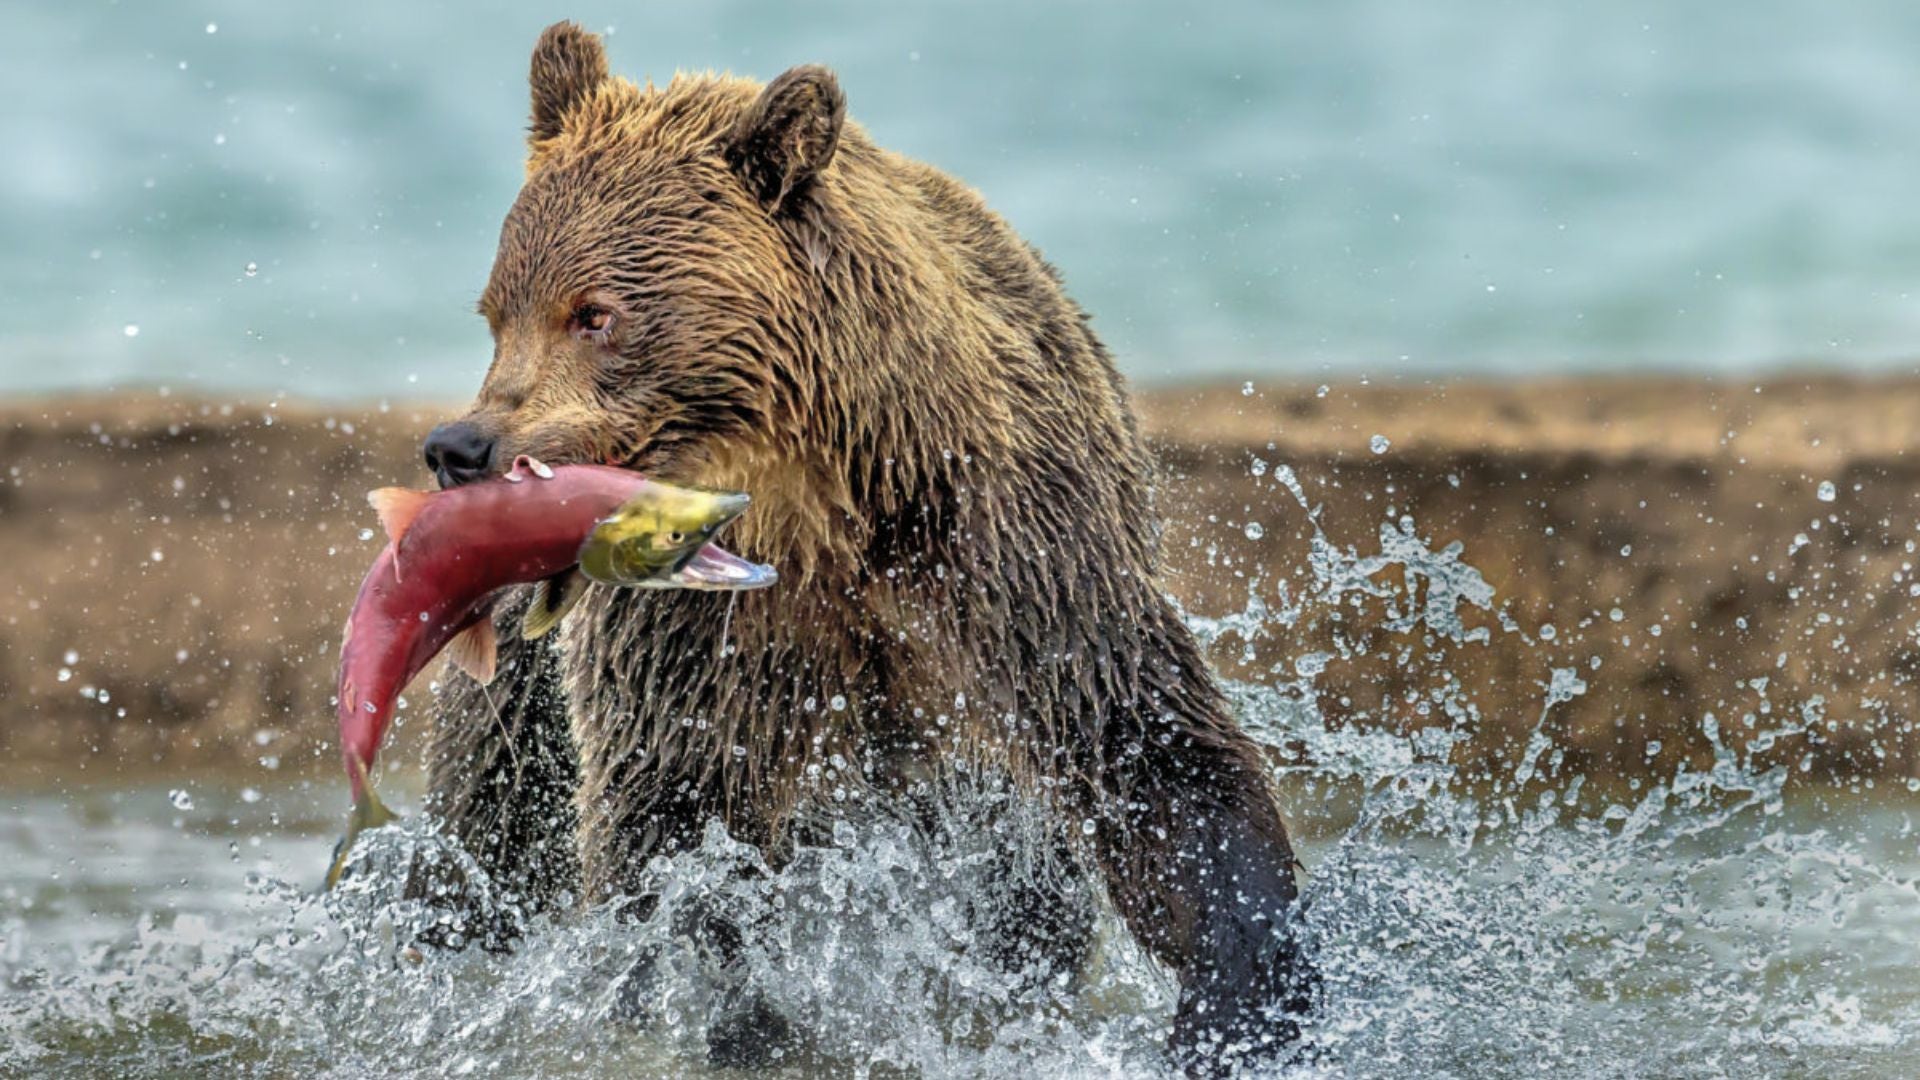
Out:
{"x": 449, "y": 553}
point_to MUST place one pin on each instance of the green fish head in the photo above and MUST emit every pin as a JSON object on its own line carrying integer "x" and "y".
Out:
{"x": 661, "y": 537}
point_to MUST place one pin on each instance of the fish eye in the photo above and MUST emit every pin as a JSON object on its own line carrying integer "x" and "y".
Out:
{"x": 675, "y": 537}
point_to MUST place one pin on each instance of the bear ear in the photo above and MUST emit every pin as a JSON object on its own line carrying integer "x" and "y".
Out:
{"x": 568, "y": 63}
{"x": 788, "y": 134}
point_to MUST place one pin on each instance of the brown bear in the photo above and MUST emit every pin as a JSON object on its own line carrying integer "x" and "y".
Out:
{"x": 730, "y": 285}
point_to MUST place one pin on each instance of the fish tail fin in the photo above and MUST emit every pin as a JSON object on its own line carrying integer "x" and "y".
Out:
{"x": 397, "y": 508}
{"x": 338, "y": 866}
{"x": 371, "y": 812}
{"x": 368, "y": 813}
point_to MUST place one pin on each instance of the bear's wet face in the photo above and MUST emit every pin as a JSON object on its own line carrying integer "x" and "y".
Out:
{"x": 652, "y": 302}
{"x": 628, "y": 332}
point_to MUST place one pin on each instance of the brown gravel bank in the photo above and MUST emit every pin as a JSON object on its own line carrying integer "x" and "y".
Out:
{"x": 175, "y": 572}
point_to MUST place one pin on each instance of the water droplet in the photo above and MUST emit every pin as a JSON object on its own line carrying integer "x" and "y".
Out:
{"x": 366, "y": 534}
{"x": 1246, "y": 389}
{"x": 156, "y": 555}
{"x": 64, "y": 674}
{"x": 1087, "y": 827}
{"x": 1826, "y": 491}
{"x": 249, "y": 795}
{"x": 1616, "y": 614}
{"x": 71, "y": 657}
{"x": 838, "y": 703}
{"x": 253, "y": 268}
{"x": 131, "y": 329}
{"x": 1323, "y": 391}
{"x": 213, "y": 28}
{"x": 1254, "y": 530}
{"x": 180, "y": 799}
{"x": 1547, "y": 632}
{"x": 1379, "y": 444}
{"x": 1626, "y": 551}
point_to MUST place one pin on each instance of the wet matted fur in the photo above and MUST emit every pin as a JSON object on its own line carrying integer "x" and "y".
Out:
{"x": 728, "y": 284}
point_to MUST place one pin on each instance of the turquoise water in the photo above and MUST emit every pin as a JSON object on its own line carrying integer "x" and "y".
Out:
{"x": 1357, "y": 187}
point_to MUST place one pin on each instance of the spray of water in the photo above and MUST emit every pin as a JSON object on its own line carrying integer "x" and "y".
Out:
{"x": 1468, "y": 920}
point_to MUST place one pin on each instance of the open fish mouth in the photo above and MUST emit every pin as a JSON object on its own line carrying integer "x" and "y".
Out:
{"x": 713, "y": 567}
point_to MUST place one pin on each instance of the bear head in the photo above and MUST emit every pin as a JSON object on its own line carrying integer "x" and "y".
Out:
{"x": 656, "y": 300}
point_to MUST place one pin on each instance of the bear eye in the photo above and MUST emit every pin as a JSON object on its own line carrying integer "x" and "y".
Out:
{"x": 591, "y": 322}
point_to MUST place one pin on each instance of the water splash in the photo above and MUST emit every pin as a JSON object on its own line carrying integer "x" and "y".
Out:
{"x": 1517, "y": 920}
{"x": 867, "y": 945}
{"x": 1468, "y": 919}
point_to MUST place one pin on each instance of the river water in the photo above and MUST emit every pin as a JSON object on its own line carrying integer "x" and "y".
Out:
{"x": 1714, "y": 919}
{"x": 141, "y": 939}
{"x": 306, "y": 198}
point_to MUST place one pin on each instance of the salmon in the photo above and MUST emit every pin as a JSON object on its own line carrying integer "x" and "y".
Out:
{"x": 450, "y": 553}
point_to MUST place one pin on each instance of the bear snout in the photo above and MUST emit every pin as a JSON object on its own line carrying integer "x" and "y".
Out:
{"x": 460, "y": 453}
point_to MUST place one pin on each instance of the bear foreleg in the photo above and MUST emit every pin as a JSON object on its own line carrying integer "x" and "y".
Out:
{"x": 1198, "y": 863}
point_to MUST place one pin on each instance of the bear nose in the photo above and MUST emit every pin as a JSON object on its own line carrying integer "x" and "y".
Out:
{"x": 459, "y": 453}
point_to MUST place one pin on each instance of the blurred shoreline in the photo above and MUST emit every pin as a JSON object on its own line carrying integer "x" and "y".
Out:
{"x": 178, "y": 567}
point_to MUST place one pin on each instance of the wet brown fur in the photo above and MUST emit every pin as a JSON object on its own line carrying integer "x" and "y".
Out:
{"x": 946, "y": 471}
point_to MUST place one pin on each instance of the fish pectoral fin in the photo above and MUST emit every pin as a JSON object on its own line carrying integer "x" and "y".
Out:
{"x": 397, "y": 508}
{"x": 473, "y": 650}
{"x": 552, "y": 599}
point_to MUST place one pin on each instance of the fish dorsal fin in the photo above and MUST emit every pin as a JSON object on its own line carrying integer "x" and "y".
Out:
{"x": 397, "y": 508}
{"x": 552, "y": 599}
{"x": 473, "y": 650}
